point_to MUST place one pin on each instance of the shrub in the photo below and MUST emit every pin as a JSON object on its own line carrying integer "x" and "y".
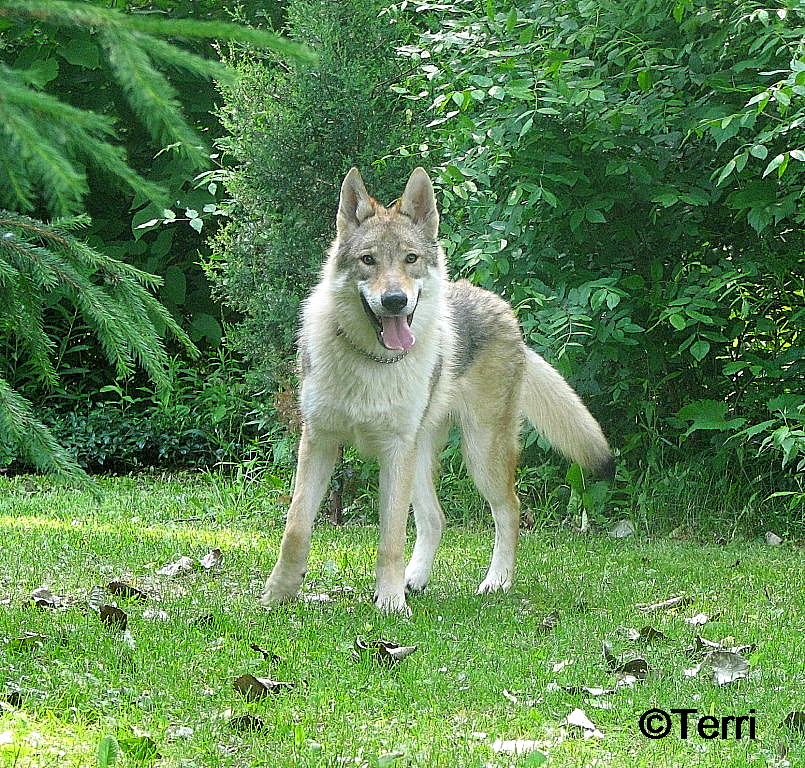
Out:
{"x": 294, "y": 131}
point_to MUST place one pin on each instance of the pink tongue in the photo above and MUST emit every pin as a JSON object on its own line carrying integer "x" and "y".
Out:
{"x": 396, "y": 333}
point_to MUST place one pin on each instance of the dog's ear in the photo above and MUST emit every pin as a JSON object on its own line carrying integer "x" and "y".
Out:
{"x": 355, "y": 205}
{"x": 418, "y": 202}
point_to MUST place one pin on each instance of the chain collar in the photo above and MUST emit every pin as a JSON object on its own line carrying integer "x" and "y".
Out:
{"x": 339, "y": 331}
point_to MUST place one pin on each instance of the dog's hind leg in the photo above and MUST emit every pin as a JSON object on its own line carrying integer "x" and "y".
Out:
{"x": 427, "y": 514}
{"x": 491, "y": 448}
{"x": 315, "y": 464}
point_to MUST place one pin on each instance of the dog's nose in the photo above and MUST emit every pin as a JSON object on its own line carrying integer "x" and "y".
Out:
{"x": 394, "y": 301}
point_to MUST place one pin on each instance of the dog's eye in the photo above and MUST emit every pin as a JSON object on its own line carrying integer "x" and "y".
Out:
{"x": 368, "y": 259}
{"x": 412, "y": 258}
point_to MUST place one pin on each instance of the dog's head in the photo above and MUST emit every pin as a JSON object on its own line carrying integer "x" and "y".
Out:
{"x": 388, "y": 253}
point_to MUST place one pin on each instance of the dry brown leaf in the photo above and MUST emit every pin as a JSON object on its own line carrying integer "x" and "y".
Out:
{"x": 213, "y": 559}
{"x": 113, "y": 617}
{"x": 383, "y": 651}
{"x": 42, "y": 597}
{"x": 126, "y": 591}
{"x": 253, "y": 688}
{"x": 181, "y": 566}
{"x": 247, "y": 723}
{"x": 795, "y": 721}
{"x": 267, "y": 655}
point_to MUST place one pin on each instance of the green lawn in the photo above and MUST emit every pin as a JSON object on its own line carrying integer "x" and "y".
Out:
{"x": 510, "y": 668}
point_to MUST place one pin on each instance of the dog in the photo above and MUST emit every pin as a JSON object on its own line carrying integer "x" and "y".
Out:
{"x": 391, "y": 354}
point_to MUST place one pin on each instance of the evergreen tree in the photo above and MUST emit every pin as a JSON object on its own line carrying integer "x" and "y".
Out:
{"x": 46, "y": 147}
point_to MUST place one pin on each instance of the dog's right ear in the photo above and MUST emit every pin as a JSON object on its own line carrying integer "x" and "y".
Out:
{"x": 355, "y": 205}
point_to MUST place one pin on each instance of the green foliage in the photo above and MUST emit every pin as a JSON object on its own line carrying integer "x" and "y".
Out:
{"x": 49, "y": 143}
{"x": 294, "y": 132}
{"x": 631, "y": 178}
{"x": 113, "y": 298}
{"x": 62, "y": 299}
{"x": 108, "y": 752}
{"x": 204, "y": 420}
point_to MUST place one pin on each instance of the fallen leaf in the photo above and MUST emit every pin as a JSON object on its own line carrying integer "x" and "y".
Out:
{"x": 795, "y": 721}
{"x": 181, "y": 566}
{"x": 621, "y": 530}
{"x": 267, "y": 655}
{"x": 213, "y": 559}
{"x": 253, "y": 688}
{"x": 96, "y": 598}
{"x": 728, "y": 667}
{"x": 515, "y": 746}
{"x": 155, "y": 614}
{"x": 27, "y": 641}
{"x": 521, "y": 702}
{"x": 637, "y": 667}
{"x": 247, "y": 723}
{"x": 627, "y": 681}
{"x": 560, "y": 665}
{"x": 646, "y": 634}
{"x": 42, "y": 597}
{"x": 633, "y": 668}
{"x": 549, "y": 622}
{"x": 126, "y": 591}
{"x": 383, "y": 651}
{"x": 772, "y": 539}
{"x": 205, "y": 621}
{"x": 578, "y": 719}
{"x": 703, "y": 645}
{"x": 113, "y": 617}
{"x": 14, "y": 699}
{"x": 698, "y": 620}
{"x": 671, "y": 602}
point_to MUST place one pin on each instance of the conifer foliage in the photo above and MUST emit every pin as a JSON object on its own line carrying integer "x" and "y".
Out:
{"x": 46, "y": 147}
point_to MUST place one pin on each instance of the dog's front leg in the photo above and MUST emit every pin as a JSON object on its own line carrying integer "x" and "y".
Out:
{"x": 314, "y": 467}
{"x": 396, "y": 478}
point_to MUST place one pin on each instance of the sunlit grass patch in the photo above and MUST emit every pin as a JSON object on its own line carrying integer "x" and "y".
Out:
{"x": 492, "y": 682}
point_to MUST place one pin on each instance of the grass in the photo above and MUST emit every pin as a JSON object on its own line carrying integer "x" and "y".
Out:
{"x": 485, "y": 669}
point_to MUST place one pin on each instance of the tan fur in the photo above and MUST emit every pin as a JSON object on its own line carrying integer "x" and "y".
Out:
{"x": 391, "y": 354}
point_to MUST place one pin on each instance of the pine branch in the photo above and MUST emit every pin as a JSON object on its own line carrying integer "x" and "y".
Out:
{"x": 25, "y": 433}
{"x": 47, "y": 137}
{"x": 114, "y": 298}
{"x": 81, "y": 14}
{"x": 150, "y": 94}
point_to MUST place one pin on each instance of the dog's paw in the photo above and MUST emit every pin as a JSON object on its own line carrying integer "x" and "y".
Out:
{"x": 392, "y": 603}
{"x": 495, "y": 583}
{"x": 273, "y": 597}
{"x": 415, "y": 581}
{"x": 280, "y": 590}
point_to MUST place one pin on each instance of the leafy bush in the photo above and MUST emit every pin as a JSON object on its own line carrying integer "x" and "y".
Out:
{"x": 630, "y": 177}
{"x": 205, "y": 419}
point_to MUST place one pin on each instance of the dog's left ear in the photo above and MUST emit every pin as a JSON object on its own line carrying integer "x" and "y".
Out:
{"x": 418, "y": 202}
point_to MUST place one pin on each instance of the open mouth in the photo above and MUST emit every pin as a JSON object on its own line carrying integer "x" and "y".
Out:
{"x": 393, "y": 331}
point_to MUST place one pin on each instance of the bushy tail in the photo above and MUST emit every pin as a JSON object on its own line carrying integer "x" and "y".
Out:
{"x": 557, "y": 413}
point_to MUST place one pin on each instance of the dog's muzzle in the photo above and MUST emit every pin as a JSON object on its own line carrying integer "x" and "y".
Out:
{"x": 393, "y": 330}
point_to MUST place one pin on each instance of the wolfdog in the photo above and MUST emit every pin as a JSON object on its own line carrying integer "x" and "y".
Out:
{"x": 391, "y": 354}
